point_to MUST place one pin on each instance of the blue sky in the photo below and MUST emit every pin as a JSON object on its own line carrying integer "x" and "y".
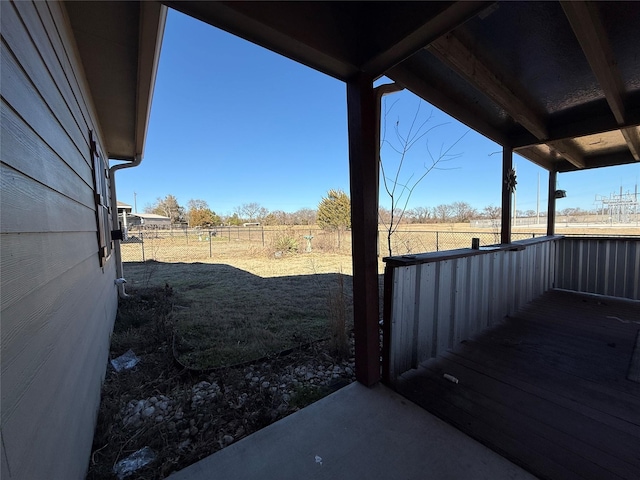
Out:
{"x": 233, "y": 123}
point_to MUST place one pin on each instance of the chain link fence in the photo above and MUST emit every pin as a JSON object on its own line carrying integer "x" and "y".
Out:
{"x": 413, "y": 242}
{"x": 187, "y": 245}
{"x": 183, "y": 245}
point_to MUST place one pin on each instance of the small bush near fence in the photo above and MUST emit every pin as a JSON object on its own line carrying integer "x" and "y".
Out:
{"x": 194, "y": 244}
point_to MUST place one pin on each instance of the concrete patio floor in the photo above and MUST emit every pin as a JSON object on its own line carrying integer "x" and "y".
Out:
{"x": 356, "y": 433}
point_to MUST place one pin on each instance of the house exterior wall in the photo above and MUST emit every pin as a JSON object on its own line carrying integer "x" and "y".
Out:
{"x": 58, "y": 302}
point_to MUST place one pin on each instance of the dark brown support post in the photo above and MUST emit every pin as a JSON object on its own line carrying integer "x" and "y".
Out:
{"x": 363, "y": 173}
{"x": 507, "y": 167}
{"x": 551, "y": 203}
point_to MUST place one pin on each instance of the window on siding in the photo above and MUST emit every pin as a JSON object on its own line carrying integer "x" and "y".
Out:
{"x": 103, "y": 203}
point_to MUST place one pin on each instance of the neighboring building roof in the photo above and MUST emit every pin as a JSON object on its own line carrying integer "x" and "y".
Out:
{"x": 124, "y": 206}
{"x": 151, "y": 216}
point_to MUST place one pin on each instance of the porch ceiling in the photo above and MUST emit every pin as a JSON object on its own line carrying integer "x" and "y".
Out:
{"x": 551, "y": 80}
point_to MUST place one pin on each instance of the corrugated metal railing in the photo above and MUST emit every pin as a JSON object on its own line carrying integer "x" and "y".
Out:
{"x": 606, "y": 266}
{"x": 434, "y": 301}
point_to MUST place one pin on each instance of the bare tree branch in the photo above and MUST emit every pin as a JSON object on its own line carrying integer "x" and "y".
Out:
{"x": 400, "y": 192}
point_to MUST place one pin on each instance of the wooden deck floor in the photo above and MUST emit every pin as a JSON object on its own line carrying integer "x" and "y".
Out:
{"x": 547, "y": 389}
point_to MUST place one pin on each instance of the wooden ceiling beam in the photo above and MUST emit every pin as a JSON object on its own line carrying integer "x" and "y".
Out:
{"x": 632, "y": 136}
{"x": 597, "y": 161}
{"x": 451, "y": 17}
{"x": 534, "y": 155}
{"x": 580, "y": 126}
{"x": 451, "y": 51}
{"x": 592, "y": 36}
{"x": 407, "y": 75}
{"x": 569, "y": 151}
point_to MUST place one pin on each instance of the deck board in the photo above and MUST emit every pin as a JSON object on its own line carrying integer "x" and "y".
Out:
{"x": 547, "y": 388}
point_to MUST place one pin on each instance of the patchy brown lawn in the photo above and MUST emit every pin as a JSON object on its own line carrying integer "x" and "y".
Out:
{"x": 184, "y": 415}
{"x": 227, "y": 315}
{"x": 224, "y": 351}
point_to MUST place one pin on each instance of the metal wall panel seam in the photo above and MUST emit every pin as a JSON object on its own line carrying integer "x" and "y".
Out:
{"x": 416, "y": 316}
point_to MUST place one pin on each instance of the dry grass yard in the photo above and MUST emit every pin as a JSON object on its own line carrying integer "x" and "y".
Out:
{"x": 231, "y": 313}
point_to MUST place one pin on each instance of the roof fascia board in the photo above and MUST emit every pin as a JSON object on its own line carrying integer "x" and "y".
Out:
{"x": 225, "y": 17}
{"x": 152, "y": 22}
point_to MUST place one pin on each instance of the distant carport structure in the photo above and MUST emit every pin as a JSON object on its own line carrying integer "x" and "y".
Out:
{"x": 556, "y": 82}
{"x": 150, "y": 220}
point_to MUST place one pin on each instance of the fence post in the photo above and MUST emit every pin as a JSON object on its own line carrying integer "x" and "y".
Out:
{"x": 437, "y": 241}
{"x": 210, "y": 254}
{"x": 142, "y": 243}
{"x": 262, "y": 236}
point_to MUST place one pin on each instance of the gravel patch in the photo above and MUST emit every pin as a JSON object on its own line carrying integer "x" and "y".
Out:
{"x": 184, "y": 417}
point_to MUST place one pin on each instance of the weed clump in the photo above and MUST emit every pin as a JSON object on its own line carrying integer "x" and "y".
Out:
{"x": 144, "y": 320}
{"x": 305, "y": 395}
{"x": 284, "y": 243}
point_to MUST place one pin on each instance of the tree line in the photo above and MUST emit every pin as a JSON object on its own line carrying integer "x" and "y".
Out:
{"x": 333, "y": 212}
{"x": 197, "y": 213}
{"x": 462, "y": 212}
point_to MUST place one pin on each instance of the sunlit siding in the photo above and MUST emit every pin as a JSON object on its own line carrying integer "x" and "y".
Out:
{"x": 57, "y": 302}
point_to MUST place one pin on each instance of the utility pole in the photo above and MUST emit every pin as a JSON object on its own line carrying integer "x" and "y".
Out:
{"x": 538, "y": 202}
{"x": 621, "y": 207}
{"x": 635, "y": 199}
{"x": 515, "y": 214}
{"x": 135, "y": 203}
